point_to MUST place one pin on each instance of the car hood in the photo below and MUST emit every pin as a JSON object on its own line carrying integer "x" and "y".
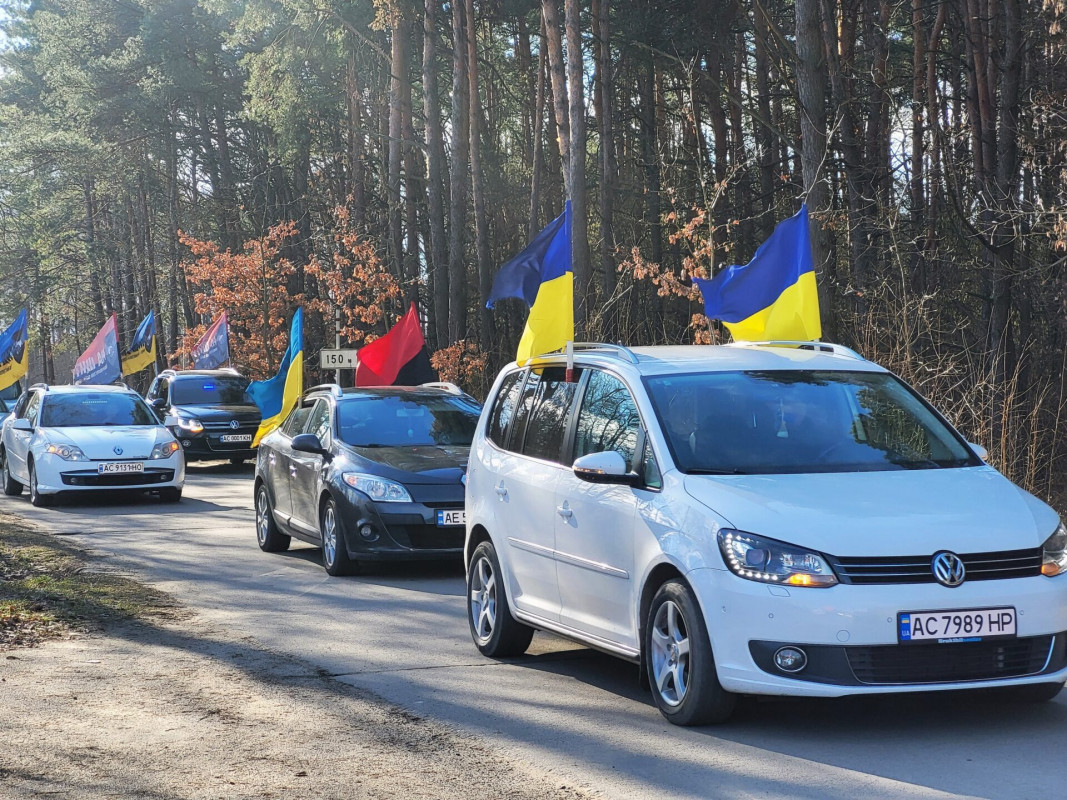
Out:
{"x": 239, "y": 411}
{"x": 99, "y": 443}
{"x": 423, "y": 464}
{"x": 907, "y": 512}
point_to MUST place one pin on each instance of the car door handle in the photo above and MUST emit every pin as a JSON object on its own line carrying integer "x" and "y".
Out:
{"x": 292, "y": 470}
{"x": 564, "y": 512}
{"x": 501, "y": 492}
{"x": 273, "y": 458}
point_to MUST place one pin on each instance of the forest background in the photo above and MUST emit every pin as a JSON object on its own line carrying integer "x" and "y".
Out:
{"x": 350, "y": 156}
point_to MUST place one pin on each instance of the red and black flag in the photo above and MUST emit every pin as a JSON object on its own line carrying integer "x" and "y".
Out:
{"x": 399, "y": 358}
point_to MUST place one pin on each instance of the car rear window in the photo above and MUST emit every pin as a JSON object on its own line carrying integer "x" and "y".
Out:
{"x": 406, "y": 420}
{"x": 95, "y": 409}
{"x": 209, "y": 391}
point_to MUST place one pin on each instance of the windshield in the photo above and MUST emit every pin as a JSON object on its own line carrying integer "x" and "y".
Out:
{"x": 209, "y": 390}
{"x": 406, "y": 421}
{"x": 91, "y": 410}
{"x": 793, "y": 422}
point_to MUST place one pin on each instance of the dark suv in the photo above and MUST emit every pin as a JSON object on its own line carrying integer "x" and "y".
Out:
{"x": 216, "y": 417}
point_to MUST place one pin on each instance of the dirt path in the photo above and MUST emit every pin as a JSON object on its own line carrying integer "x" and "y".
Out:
{"x": 174, "y": 710}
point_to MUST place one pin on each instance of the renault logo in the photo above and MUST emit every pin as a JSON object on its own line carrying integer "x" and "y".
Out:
{"x": 948, "y": 569}
{"x": 118, "y": 451}
{"x": 235, "y": 424}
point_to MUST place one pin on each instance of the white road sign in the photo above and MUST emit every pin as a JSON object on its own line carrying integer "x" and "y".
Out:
{"x": 337, "y": 359}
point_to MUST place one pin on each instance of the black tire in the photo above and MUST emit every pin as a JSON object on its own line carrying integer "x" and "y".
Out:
{"x": 496, "y": 633}
{"x": 1031, "y": 693}
{"x": 271, "y": 540}
{"x": 12, "y": 488}
{"x": 687, "y": 690}
{"x": 334, "y": 550}
{"x": 171, "y": 494}
{"x": 36, "y": 498}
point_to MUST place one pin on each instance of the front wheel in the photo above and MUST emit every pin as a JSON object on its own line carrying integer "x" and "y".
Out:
{"x": 681, "y": 667}
{"x": 271, "y": 540}
{"x": 496, "y": 633}
{"x": 237, "y": 462}
{"x": 334, "y": 550}
{"x": 172, "y": 494}
{"x": 36, "y": 498}
{"x": 12, "y": 488}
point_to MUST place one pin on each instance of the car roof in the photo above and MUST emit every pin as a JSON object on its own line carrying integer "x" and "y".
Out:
{"x": 202, "y": 373}
{"x": 678, "y": 359}
{"x": 85, "y": 387}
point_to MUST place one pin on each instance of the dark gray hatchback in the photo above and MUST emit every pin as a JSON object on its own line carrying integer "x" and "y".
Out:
{"x": 374, "y": 474}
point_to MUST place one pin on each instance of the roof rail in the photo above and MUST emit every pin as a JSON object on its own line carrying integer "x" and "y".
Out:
{"x": 41, "y": 385}
{"x": 821, "y": 347}
{"x": 332, "y": 388}
{"x": 446, "y": 386}
{"x": 618, "y": 350}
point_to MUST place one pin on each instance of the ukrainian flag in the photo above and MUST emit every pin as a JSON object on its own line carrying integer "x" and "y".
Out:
{"x": 277, "y": 396}
{"x": 773, "y": 296}
{"x": 541, "y": 275}
{"x": 14, "y": 354}
{"x": 142, "y": 352}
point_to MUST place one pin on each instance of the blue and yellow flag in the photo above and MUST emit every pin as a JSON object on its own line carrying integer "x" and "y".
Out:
{"x": 14, "y": 355}
{"x": 541, "y": 275}
{"x": 277, "y": 396}
{"x": 142, "y": 350}
{"x": 773, "y": 296}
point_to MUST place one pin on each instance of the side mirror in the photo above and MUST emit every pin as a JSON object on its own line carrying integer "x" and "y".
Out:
{"x": 21, "y": 424}
{"x": 979, "y": 451}
{"x": 170, "y": 422}
{"x": 607, "y": 467}
{"x": 159, "y": 404}
{"x": 309, "y": 443}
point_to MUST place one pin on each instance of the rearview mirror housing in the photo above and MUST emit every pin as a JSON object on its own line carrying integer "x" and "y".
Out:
{"x": 309, "y": 443}
{"x": 979, "y": 451}
{"x": 606, "y": 467}
{"x": 21, "y": 424}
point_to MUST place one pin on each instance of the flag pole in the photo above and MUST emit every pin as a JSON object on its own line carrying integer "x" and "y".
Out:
{"x": 570, "y": 362}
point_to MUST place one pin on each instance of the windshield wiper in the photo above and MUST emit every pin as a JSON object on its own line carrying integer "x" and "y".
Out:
{"x": 715, "y": 471}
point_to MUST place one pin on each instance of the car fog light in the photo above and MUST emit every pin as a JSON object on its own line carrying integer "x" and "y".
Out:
{"x": 186, "y": 443}
{"x": 790, "y": 659}
{"x": 367, "y": 532}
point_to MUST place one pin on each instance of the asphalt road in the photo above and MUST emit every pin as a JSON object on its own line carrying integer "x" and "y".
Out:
{"x": 401, "y": 633}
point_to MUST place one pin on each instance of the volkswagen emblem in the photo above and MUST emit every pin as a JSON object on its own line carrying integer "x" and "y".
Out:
{"x": 118, "y": 451}
{"x": 948, "y": 569}
{"x": 235, "y": 424}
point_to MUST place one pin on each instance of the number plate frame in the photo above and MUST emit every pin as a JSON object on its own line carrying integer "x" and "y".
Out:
{"x": 451, "y": 517}
{"x": 119, "y": 467}
{"x": 956, "y": 633}
{"x": 236, "y": 438}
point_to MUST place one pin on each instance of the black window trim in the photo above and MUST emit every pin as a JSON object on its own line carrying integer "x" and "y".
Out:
{"x": 504, "y": 447}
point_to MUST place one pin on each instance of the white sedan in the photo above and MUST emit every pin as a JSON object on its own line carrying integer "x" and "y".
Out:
{"x": 62, "y": 439}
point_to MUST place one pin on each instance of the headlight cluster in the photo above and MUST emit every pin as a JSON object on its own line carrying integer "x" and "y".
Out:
{"x": 1054, "y": 553}
{"x": 768, "y": 561}
{"x": 190, "y": 424}
{"x": 165, "y": 449}
{"x": 378, "y": 489}
{"x": 67, "y": 452}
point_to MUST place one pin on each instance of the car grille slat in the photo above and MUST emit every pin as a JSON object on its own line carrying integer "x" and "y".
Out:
{"x": 950, "y": 663}
{"x": 917, "y": 569}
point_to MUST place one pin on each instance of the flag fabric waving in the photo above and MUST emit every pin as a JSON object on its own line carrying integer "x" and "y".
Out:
{"x": 774, "y": 296}
{"x": 100, "y": 361}
{"x": 399, "y": 358}
{"x": 277, "y": 396}
{"x": 14, "y": 355}
{"x": 541, "y": 275}
{"x": 213, "y": 349}
{"x": 142, "y": 352}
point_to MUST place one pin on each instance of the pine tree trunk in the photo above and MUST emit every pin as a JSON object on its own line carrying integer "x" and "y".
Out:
{"x": 554, "y": 45}
{"x": 481, "y": 226}
{"x": 457, "y": 264}
{"x": 437, "y": 260}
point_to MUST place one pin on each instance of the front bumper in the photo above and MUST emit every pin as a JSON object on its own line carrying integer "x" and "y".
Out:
{"x": 208, "y": 446}
{"x": 400, "y": 531}
{"x": 850, "y": 635}
{"x": 54, "y": 475}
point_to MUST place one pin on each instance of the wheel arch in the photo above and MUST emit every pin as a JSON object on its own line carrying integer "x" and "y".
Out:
{"x": 477, "y": 535}
{"x": 657, "y": 576}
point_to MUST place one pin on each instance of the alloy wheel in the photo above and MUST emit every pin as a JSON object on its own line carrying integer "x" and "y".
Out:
{"x": 670, "y": 654}
{"x": 329, "y": 534}
{"x": 262, "y": 517}
{"x": 483, "y": 599}
{"x": 34, "y": 494}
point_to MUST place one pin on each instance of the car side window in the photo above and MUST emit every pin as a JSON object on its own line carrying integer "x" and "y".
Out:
{"x": 320, "y": 422}
{"x": 523, "y": 409}
{"x": 504, "y": 409}
{"x": 608, "y": 419}
{"x": 20, "y": 406}
{"x": 548, "y": 423}
{"x": 296, "y": 420}
{"x": 163, "y": 390}
{"x": 32, "y": 407}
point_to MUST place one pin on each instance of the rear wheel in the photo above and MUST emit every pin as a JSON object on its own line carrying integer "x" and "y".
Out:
{"x": 334, "y": 550}
{"x": 681, "y": 667}
{"x": 36, "y": 498}
{"x": 270, "y": 539}
{"x": 496, "y": 633}
{"x": 12, "y": 488}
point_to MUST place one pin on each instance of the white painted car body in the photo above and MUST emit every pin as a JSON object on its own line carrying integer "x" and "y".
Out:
{"x": 25, "y": 440}
{"x": 581, "y": 559}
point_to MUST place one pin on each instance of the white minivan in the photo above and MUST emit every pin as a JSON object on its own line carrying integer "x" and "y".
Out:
{"x": 781, "y": 518}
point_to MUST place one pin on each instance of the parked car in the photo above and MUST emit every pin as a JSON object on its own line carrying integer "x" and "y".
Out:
{"x": 757, "y": 519}
{"x": 216, "y": 419}
{"x": 73, "y": 439}
{"x": 368, "y": 474}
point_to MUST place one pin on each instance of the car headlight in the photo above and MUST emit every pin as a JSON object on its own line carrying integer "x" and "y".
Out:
{"x": 378, "y": 489}
{"x": 1054, "y": 553}
{"x": 190, "y": 424}
{"x": 165, "y": 449}
{"x": 767, "y": 561}
{"x": 67, "y": 452}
